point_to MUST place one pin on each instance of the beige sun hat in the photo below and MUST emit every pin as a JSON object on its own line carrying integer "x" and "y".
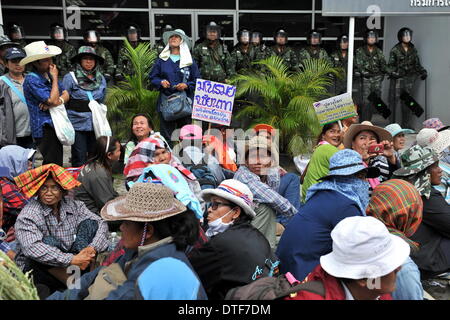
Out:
{"x": 144, "y": 202}
{"x": 39, "y": 50}
{"x": 355, "y": 129}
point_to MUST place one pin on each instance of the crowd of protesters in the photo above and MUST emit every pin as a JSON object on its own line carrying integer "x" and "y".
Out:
{"x": 198, "y": 223}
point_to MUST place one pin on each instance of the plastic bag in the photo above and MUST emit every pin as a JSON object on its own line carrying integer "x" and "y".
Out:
{"x": 63, "y": 127}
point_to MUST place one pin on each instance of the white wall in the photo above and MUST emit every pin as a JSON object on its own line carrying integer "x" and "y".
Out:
{"x": 432, "y": 39}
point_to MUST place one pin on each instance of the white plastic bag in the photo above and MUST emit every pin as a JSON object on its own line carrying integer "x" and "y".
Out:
{"x": 63, "y": 127}
{"x": 99, "y": 120}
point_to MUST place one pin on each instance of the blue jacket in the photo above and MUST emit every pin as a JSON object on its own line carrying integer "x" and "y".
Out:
{"x": 308, "y": 235}
{"x": 159, "y": 273}
{"x": 170, "y": 71}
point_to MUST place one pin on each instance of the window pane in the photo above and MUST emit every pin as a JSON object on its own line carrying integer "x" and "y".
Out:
{"x": 194, "y": 4}
{"x": 335, "y": 26}
{"x": 52, "y": 3}
{"x": 112, "y": 23}
{"x": 27, "y": 19}
{"x": 109, "y": 3}
{"x": 226, "y": 21}
{"x": 294, "y": 24}
{"x": 275, "y": 5}
{"x": 318, "y": 4}
{"x": 177, "y": 21}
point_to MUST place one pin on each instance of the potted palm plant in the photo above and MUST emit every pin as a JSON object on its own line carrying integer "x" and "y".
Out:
{"x": 285, "y": 100}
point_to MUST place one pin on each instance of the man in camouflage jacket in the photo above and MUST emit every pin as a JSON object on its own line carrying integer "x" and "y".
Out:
{"x": 58, "y": 35}
{"x": 339, "y": 58}
{"x": 243, "y": 54}
{"x": 313, "y": 50}
{"x": 283, "y": 51}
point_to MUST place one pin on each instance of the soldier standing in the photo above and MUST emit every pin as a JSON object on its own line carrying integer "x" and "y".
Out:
{"x": 92, "y": 38}
{"x": 17, "y": 34}
{"x": 58, "y": 35}
{"x": 313, "y": 50}
{"x": 159, "y": 45}
{"x": 243, "y": 53}
{"x": 283, "y": 51}
{"x": 212, "y": 56}
{"x": 370, "y": 67}
{"x": 404, "y": 69}
{"x": 339, "y": 59}
{"x": 124, "y": 66}
{"x": 257, "y": 42}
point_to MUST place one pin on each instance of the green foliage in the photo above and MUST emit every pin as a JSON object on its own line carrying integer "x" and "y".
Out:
{"x": 132, "y": 96}
{"x": 285, "y": 100}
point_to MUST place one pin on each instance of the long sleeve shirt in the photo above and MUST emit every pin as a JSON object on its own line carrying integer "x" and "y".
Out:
{"x": 37, "y": 221}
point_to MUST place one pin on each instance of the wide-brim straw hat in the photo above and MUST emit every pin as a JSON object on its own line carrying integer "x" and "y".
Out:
{"x": 235, "y": 192}
{"x": 86, "y": 50}
{"x": 39, "y": 50}
{"x": 355, "y": 129}
{"x": 145, "y": 202}
{"x": 166, "y": 36}
{"x": 364, "y": 248}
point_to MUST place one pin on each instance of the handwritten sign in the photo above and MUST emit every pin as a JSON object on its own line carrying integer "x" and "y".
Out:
{"x": 335, "y": 108}
{"x": 213, "y": 102}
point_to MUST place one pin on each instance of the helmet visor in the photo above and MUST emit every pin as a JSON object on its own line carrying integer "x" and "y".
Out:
{"x": 58, "y": 33}
{"x": 17, "y": 33}
{"x": 91, "y": 37}
{"x": 244, "y": 37}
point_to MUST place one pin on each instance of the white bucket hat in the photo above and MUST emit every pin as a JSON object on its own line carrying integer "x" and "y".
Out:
{"x": 364, "y": 248}
{"x": 234, "y": 191}
{"x": 438, "y": 141}
{"x": 39, "y": 50}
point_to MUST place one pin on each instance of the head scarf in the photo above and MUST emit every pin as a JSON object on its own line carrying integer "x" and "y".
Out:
{"x": 351, "y": 187}
{"x": 420, "y": 180}
{"x": 399, "y": 206}
{"x": 15, "y": 158}
{"x": 185, "y": 54}
{"x": 84, "y": 81}
{"x": 31, "y": 181}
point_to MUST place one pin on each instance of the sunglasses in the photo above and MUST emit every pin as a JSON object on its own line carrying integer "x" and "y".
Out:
{"x": 215, "y": 205}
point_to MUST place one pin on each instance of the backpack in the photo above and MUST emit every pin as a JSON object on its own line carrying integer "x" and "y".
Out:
{"x": 272, "y": 288}
{"x": 204, "y": 176}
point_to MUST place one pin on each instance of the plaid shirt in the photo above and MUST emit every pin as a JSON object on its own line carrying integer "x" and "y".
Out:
{"x": 12, "y": 197}
{"x": 37, "y": 221}
{"x": 263, "y": 193}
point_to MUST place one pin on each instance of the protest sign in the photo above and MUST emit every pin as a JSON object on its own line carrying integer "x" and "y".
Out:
{"x": 213, "y": 102}
{"x": 335, "y": 108}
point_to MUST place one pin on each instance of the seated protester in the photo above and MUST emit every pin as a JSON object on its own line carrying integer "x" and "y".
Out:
{"x": 17, "y": 160}
{"x": 42, "y": 91}
{"x": 421, "y": 168}
{"x": 4, "y": 246}
{"x": 156, "y": 231}
{"x": 398, "y": 205}
{"x": 96, "y": 176}
{"x": 265, "y": 187}
{"x": 54, "y": 232}
{"x": 14, "y": 115}
{"x": 436, "y": 123}
{"x": 154, "y": 151}
{"x": 363, "y": 264}
{"x": 221, "y": 148}
{"x": 86, "y": 82}
{"x": 360, "y": 137}
{"x": 236, "y": 253}
{"x": 141, "y": 128}
{"x": 327, "y": 143}
{"x": 343, "y": 193}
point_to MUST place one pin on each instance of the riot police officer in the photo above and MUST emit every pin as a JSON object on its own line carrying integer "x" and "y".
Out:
{"x": 58, "y": 37}
{"x": 313, "y": 50}
{"x": 404, "y": 69}
{"x": 339, "y": 58}
{"x": 92, "y": 38}
{"x": 282, "y": 50}
{"x": 212, "y": 56}
{"x": 256, "y": 40}
{"x": 159, "y": 45}
{"x": 17, "y": 34}
{"x": 243, "y": 53}
{"x": 124, "y": 66}
{"x": 370, "y": 68}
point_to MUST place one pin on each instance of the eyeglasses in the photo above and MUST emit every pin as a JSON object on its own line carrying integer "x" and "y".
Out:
{"x": 52, "y": 189}
{"x": 215, "y": 205}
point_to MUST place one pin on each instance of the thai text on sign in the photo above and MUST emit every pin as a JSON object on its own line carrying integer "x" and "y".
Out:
{"x": 335, "y": 108}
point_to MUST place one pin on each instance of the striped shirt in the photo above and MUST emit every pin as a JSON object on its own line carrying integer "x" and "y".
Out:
{"x": 37, "y": 221}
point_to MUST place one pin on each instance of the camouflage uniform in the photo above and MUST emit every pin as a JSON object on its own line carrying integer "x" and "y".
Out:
{"x": 405, "y": 68}
{"x": 371, "y": 68}
{"x": 240, "y": 60}
{"x": 62, "y": 60}
{"x": 214, "y": 63}
{"x": 287, "y": 54}
{"x": 339, "y": 61}
{"x": 108, "y": 66}
{"x": 311, "y": 53}
{"x": 260, "y": 52}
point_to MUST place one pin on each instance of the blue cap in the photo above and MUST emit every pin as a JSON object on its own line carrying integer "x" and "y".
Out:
{"x": 349, "y": 162}
{"x": 14, "y": 53}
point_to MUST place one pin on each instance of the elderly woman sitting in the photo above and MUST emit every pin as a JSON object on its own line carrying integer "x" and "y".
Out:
{"x": 54, "y": 232}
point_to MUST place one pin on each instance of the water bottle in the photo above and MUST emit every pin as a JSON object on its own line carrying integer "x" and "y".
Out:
{"x": 113, "y": 241}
